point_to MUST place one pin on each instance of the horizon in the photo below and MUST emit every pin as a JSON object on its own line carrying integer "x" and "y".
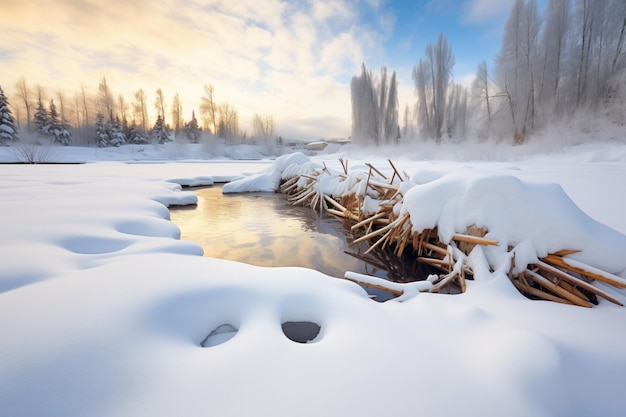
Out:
{"x": 293, "y": 60}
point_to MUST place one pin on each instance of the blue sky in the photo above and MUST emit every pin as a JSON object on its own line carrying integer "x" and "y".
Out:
{"x": 293, "y": 59}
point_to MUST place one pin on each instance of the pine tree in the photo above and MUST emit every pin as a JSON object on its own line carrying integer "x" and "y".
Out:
{"x": 102, "y": 136}
{"x": 193, "y": 132}
{"x": 8, "y": 131}
{"x": 135, "y": 137}
{"x": 159, "y": 132}
{"x": 41, "y": 119}
{"x": 116, "y": 135}
{"x": 57, "y": 127}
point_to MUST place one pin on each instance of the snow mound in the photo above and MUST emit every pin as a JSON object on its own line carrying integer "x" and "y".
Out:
{"x": 516, "y": 213}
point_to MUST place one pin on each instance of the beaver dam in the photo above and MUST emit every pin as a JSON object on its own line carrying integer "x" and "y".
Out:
{"x": 396, "y": 217}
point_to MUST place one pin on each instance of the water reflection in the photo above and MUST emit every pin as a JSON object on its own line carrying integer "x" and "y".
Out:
{"x": 262, "y": 229}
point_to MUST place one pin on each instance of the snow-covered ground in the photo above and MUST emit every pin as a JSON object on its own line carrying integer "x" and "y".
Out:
{"x": 104, "y": 311}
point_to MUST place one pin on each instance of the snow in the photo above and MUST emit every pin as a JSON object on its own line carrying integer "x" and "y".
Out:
{"x": 104, "y": 311}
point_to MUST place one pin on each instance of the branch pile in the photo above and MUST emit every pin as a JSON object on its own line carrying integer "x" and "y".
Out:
{"x": 373, "y": 205}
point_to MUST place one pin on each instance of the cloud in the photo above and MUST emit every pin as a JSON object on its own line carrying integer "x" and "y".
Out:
{"x": 480, "y": 11}
{"x": 292, "y": 58}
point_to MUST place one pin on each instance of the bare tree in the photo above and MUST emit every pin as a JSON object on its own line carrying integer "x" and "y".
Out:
{"x": 365, "y": 112}
{"x": 105, "y": 99}
{"x": 516, "y": 66}
{"x": 159, "y": 104}
{"x": 432, "y": 77}
{"x": 177, "y": 114}
{"x": 209, "y": 110}
{"x": 24, "y": 93}
{"x": 140, "y": 109}
{"x": 482, "y": 92}
{"x": 263, "y": 127}
{"x": 228, "y": 125}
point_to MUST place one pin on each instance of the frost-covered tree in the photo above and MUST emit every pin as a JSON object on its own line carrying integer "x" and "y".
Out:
{"x": 116, "y": 134}
{"x": 364, "y": 108}
{"x": 432, "y": 77}
{"x": 208, "y": 110}
{"x": 135, "y": 137}
{"x": 24, "y": 93}
{"x": 263, "y": 127}
{"x": 482, "y": 91}
{"x": 516, "y": 67}
{"x": 177, "y": 114}
{"x": 102, "y": 134}
{"x": 105, "y": 99}
{"x": 8, "y": 130}
{"x": 391, "y": 126}
{"x": 140, "y": 110}
{"x": 191, "y": 129}
{"x": 374, "y": 107}
{"x": 159, "y": 132}
{"x": 159, "y": 104}
{"x": 228, "y": 125}
{"x": 56, "y": 128}
{"x": 41, "y": 120}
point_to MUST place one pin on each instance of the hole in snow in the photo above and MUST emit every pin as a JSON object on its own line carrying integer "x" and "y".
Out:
{"x": 301, "y": 331}
{"x": 221, "y": 334}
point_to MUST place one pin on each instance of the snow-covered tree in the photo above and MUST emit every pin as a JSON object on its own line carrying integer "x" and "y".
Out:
{"x": 391, "y": 127}
{"x": 56, "y": 128}
{"x": 432, "y": 77}
{"x": 516, "y": 67}
{"x": 135, "y": 137}
{"x": 364, "y": 108}
{"x": 482, "y": 92}
{"x": 102, "y": 135}
{"x": 8, "y": 130}
{"x": 374, "y": 107}
{"x": 159, "y": 132}
{"x": 116, "y": 134}
{"x": 41, "y": 120}
{"x": 192, "y": 129}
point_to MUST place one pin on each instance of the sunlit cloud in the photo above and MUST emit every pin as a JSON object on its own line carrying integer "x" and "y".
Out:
{"x": 291, "y": 59}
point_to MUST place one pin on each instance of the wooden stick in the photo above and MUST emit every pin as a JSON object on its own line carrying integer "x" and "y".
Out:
{"x": 558, "y": 261}
{"x": 395, "y": 170}
{"x": 557, "y": 290}
{"x": 474, "y": 239}
{"x": 578, "y": 282}
{"x": 527, "y": 289}
{"x": 395, "y": 292}
{"x": 435, "y": 248}
{"x": 375, "y": 170}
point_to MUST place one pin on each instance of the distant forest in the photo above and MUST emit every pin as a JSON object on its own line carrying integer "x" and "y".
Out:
{"x": 552, "y": 65}
{"x": 566, "y": 61}
{"x": 106, "y": 120}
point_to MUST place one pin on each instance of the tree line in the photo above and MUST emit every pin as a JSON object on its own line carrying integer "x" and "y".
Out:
{"x": 551, "y": 64}
{"x": 104, "y": 119}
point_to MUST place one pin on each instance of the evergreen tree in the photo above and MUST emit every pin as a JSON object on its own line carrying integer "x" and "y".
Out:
{"x": 116, "y": 135}
{"x": 57, "y": 127}
{"x": 8, "y": 131}
{"x": 193, "y": 131}
{"x": 41, "y": 119}
{"x": 159, "y": 132}
{"x": 102, "y": 135}
{"x": 135, "y": 137}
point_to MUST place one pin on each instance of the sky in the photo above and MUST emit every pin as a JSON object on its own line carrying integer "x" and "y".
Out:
{"x": 291, "y": 59}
